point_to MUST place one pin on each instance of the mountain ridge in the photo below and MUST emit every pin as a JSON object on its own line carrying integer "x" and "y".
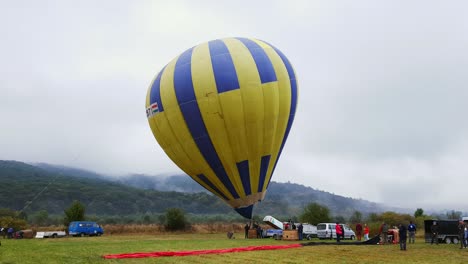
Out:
{"x": 139, "y": 194}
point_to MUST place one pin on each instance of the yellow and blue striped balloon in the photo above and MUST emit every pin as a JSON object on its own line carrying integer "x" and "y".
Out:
{"x": 222, "y": 111}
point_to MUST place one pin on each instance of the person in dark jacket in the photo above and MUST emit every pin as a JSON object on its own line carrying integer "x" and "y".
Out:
{"x": 259, "y": 231}
{"x": 403, "y": 235}
{"x": 384, "y": 233}
{"x": 461, "y": 234}
{"x": 342, "y": 232}
{"x": 246, "y": 228}
{"x": 412, "y": 232}
{"x": 10, "y": 232}
{"x": 300, "y": 229}
{"x": 358, "y": 231}
{"x": 435, "y": 233}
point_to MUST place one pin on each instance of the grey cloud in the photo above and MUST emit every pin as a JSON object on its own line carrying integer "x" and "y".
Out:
{"x": 382, "y": 96}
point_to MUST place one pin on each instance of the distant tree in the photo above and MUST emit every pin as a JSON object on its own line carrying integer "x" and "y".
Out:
{"x": 161, "y": 219}
{"x": 175, "y": 219}
{"x": 22, "y": 215}
{"x": 454, "y": 214}
{"x": 394, "y": 219}
{"x": 15, "y": 223}
{"x": 41, "y": 218}
{"x": 11, "y": 218}
{"x": 256, "y": 218}
{"x": 7, "y": 212}
{"x": 76, "y": 212}
{"x": 356, "y": 217}
{"x": 340, "y": 219}
{"x": 146, "y": 219}
{"x": 315, "y": 213}
{"x": 373, "y": 217}
{"x": 419, "y": 212}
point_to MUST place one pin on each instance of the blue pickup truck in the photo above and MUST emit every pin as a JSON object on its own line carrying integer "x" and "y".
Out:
{"x": 82, "y": 228}
{"x": 274, "y": 233}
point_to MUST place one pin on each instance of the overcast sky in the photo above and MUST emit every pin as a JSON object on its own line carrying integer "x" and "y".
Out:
{"x": 383, "y": 96}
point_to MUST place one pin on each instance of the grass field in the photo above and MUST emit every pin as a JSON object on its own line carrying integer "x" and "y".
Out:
{"x": 91, "y": 250}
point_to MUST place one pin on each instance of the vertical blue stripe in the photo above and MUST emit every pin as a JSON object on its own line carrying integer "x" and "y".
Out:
{"x": 263, "y": 62}
{"x": 263, "y": 171}
{"x": 204, "y": 179}
{"x": 155, "y": 93}
{"x": 183, "y": 78}
{"x": 223, "y": 67}
{"x": 292, "y": 79}
{"x": 185, "y": 94}
{"x": 243, "y": 168}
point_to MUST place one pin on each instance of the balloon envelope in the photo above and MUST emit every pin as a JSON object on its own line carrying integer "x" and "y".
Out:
{"x": 222, "y": 111}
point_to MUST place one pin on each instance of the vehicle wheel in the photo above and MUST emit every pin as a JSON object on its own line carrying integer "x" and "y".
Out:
{"x": 455, "y": 240}
{"x": 448, "y": 240}
{"x": 82, "y": 235}
{"x": 352, "y": 237}
{"x": 309, "y": 237}
{"x": 99, "y": 234}
{"x": 275, "y": 237}
{"x": 54, "y": 236}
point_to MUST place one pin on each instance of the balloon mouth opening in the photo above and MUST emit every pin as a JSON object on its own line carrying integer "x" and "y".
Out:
{"x": 245, "y": 211}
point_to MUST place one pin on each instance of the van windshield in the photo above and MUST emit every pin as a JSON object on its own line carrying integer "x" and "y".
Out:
{"x": 321, "y": 227}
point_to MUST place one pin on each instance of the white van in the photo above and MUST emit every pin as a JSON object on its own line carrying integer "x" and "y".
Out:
{"x": 328, "y": 231}
{"x": 309, "y": 231}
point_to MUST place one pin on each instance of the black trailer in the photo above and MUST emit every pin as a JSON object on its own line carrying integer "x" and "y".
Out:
{"x": 448, "y": 230}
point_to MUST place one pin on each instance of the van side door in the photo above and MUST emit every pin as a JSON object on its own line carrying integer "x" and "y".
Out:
{"x": 332, "y": 231}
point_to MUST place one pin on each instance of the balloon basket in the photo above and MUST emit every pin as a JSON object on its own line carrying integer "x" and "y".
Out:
{"x": 290, "y": 235}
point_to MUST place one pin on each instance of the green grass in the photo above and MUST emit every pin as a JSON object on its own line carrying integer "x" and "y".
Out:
{"x": 91, "y": 250}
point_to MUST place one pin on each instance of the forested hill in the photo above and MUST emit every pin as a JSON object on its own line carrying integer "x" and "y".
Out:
{"x": 41, "y": 189}
{"x": 53, "y": 188}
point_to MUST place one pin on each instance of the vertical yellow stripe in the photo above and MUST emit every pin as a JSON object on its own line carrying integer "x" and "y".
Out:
{"x": 284, "y": 104}
{"x": 252, "y": 116}
{"x": 271, "y": 108}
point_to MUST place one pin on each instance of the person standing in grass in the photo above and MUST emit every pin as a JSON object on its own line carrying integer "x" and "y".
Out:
{"x": 338, "y": 232}
{"x": 435, "y": 233}
{"x": 300, "y": 229}
{"x": 402, "y": 233}
{"x": 358, "y": 231}
{"x": 461, "y": 234}
{"x": 466, "y": 236}
{"x": 246, "y": 228}
{"x": 384, "y": 233}
{"x": 10, "y": 232}
{"x": 259, "y": 231}
{"x": 366, "y": 232}
{"x": 411, "y": 231}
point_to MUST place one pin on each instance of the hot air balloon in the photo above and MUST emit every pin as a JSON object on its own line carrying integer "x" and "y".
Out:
{"x": 222, "y": 111}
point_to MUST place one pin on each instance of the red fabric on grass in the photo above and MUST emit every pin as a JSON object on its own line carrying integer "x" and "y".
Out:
{"x": 196, "y": 252}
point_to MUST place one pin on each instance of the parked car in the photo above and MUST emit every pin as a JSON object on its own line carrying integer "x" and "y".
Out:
{"x": 274, "y": 233}
{"x": 82, "y": 228}
{"x": 328, "y": 231}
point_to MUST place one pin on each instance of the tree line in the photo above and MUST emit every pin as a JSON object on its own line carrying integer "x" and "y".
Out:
{"x": 178, "y": 219}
